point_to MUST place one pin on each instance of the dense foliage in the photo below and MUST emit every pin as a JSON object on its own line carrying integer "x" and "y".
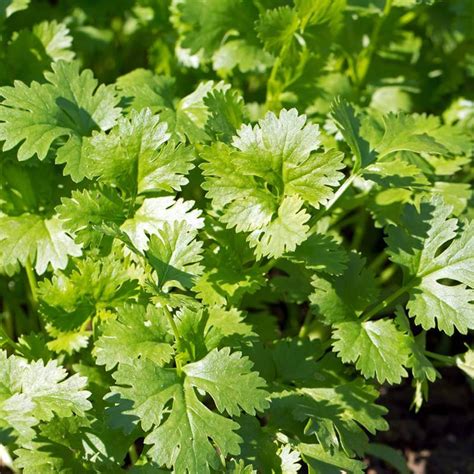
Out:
{"x": 225, "y": 224}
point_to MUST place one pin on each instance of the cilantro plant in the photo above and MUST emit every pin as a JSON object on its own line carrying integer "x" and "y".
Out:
{"x": 225, "y": 225}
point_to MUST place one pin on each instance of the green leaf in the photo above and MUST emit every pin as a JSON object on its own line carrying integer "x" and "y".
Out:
{"x": 415, "y": 133}
{"x": 154, "y": 213}
{"x": 9, "y": 7}
{"x": 284, "y": 232}
{"x": 276, "y": 28}
{"x": 262, "y": 182}
{"x": 68, "y": 300}
{"x": 209, "y": 20}
{"x": 35, "y": 392}
{"x": 214, "y": 374}
{"x": 142, "y": 161}
{"x": 437, "y": 269}
{"x": 322, "y": 253}
{"x": 186, "y": 117}
{"x": 85, "y": 209}
{"x": 73, "y": 444}
{"x": 229, "y": 271}
{"x": 182, "y": 439}
{"x": 138, "y": 332}
{"x": 349, "y": 126}
{"x": 344, "y": 297}
{"x": 30, "y": 52}
{"x": 377, "y": 348}
{"x": 322, "y": 462}
{"x": 175, "y": 254}
{"x": 421, "y": 366}
{"x": 390, "y": 455}
{"x": 30, "y": 238}
{"x": 466, "y": 362}
{"x": 226, "y": 114}
{"x": 69, "y": 105}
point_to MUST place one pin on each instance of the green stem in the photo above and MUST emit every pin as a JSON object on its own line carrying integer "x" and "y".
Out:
{"x": 304, "y": 330}
{"x": 442, "y": 358}
{"x": 337, "y": 195}
{"x": 6, "y": 339}
{"x": 342, "y": 189}
{"x": 378, "y": 261}
{"x": 132, "y": 452}
{"x": 9, "y": 321}
{"x": 268, "y": 266}
{"x": 387, "y": 301}
{"x": 387, "y": 274}
{"x": 30, "y": 274}
{"x": 359, "y": 230}
{"x": 176, "y": 333}
{"x": 364, "y": 66}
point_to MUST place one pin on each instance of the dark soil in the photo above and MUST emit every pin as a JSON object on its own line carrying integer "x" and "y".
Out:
{"x": 439, "y": 439}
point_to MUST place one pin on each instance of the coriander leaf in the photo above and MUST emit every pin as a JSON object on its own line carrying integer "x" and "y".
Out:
{"x": 34, "y": 392}
{"x": 466, "y": 362}
{"x": 262, "y": 182}
{"x": 322, "y": 462}
{"x": 259, "y": 448}
{"x": 141, "y": 160}
{"x": 175, "y": 254}
{"x": 344, "y": 297}
{"x": 30, "y": 52}
{"x": 186, "y": 117}
{"x": 276, "y": 28}
{"x": 68, "y": 105}
{"x": 415, "y": 133}
{"x": 56, "y": 39}
{"x": 138, "y": 332}
{"x": 246, "y": 55}
{"x": 229, "y": 272}
{"x": 210, "y": 20}
{"x": 30, "y": 238}
{"x": 9, "y": 7}
{"x": 420, "y": 365}
{"x": 322, "y": 253}
{"x": 88, "y": 208}
{"x": 142, "y": 89}
{"x": 377, "y": 348}
{"x": 349, "y": 126}
{"x": 228, "y": 379}
{"x": 182, "y": 440}
{"x": 437, "y": 270}
{"x": 225, "y": 114}
{"x": 284, "y": 232}
{"x": 74, "y": 444}
{"x": 152, "y": 215}
{"x": 68, "y": 300}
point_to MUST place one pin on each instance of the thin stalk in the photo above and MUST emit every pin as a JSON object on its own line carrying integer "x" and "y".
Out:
{"x": 176, "y": 333}
{"x": 268, "y": 266}
{"x": 387, "y": 274}
{"x": 132, "y": 452}
{"x": 337, "y": 195}
{"x": 440, "y": 357}
{"x": 304, "y": 330}
{"x": 272, "y": 85}
{"x": 363, "y": 67}
{"x": 359, "y": 231}
{"x": 9, "y": 320}
{"x": 30, "y": 274}
{"x": 378, "y": 261}
{"x": 6, "y": 338}
{"x": 386, "y": 302}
